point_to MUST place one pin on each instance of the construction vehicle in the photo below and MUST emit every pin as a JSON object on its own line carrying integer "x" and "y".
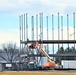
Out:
{"x": 51, "y": 64}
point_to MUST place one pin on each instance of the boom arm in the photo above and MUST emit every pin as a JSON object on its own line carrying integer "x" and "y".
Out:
{"x": 43, "y": 51}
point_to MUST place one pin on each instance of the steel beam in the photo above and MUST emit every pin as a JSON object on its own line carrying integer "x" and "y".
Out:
{"x": 49, "y": 41}
{"x": 54, "y": 55}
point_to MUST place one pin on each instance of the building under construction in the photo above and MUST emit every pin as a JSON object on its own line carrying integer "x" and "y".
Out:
{"x": 51, "y": 32}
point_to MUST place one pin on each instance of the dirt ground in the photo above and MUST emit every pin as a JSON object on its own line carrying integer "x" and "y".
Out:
{"x": 52, "y": 72}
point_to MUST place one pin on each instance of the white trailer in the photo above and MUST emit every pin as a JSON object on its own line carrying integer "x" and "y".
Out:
{"x": 68, "y": 64}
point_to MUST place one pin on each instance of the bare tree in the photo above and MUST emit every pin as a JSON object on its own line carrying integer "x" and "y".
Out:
{"x": 9, "y": 52}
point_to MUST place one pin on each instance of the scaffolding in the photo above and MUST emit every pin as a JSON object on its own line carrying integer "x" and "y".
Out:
{"x": 47, "y": 31}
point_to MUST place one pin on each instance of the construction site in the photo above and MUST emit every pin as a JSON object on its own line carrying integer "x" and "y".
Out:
{"x": 42, "y": 36}
{"x": 47, "y": 45}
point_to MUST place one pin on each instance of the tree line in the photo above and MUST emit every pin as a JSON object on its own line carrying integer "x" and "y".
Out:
{"x": 68, "y": 50}
{"x": 10, "y": 52}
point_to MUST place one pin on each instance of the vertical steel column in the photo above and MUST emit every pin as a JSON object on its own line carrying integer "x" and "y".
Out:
{"x": 47, "y": 35}
{"x": 37, "y": 26}
{"x": 53, "y": 33}
{"x": 27, "y": 34}
{"x": 40, "y": 26}
{"x": 32, "y": 27}
{"x": 58, "y": 28}
{"x": 22, "y": 30}
{"x": 24, "y": 27}
{"x": 37, "y": 34}
{"x": 74, "y": 27}
{"x": 62, "y": 28}
{"x": 20, "y": 38}
{"x": 32, "y": 22}
{"x": 68, "y": 30}
{"x": 40, "y": 39}
{"x": 27, "y": 26}
{"x": 21, "y": 33}
{"x": 58, "y": 38}
{"x": 42, "y": 34}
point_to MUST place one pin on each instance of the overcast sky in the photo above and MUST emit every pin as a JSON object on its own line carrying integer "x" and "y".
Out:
{"x": 10, "y": 10}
